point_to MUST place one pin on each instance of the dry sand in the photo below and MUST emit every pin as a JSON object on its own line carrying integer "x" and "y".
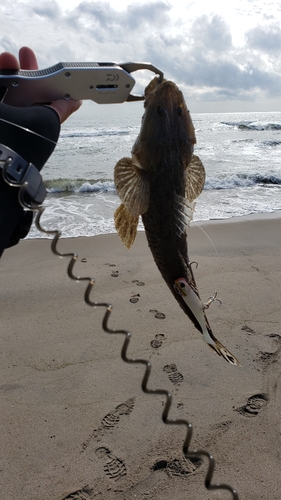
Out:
{"x": 75, "y": 423}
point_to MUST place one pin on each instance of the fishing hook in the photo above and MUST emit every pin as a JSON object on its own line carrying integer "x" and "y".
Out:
{"x": 193, "y": 263}
{"x": 212, "y": 299}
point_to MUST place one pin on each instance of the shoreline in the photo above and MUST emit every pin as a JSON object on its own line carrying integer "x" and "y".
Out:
{"x": 244, "y": 218}
{"x": 74, "y": 419}
{"x": 202, "y": 222}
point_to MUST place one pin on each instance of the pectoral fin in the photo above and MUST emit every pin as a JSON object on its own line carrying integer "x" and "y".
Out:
{"x": 194, "y": 178}
{"x": 132, "y": 186}
{"x": 126, "y": 225}
{"x": 194, "y": 184}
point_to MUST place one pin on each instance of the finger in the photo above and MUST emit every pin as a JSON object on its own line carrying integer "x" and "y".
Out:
{"x": 27, "y": 58}
{"x": 65, "y": 108}
{"x": 8, "y": 61}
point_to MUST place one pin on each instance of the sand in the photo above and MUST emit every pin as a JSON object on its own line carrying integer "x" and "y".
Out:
{"x": 75, "y": 423}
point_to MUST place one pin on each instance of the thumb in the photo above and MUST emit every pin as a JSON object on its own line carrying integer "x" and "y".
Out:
{"x": 65, "y": 108}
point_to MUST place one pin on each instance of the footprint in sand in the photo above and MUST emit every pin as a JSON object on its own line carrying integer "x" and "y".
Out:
{"x": 114, "y": 467}
{"x": 247, "y": 329}
{"x": 85, "y": 493}
{"x": 254, "y": 405}
{"x": 139, "y": 283}
{"x": 158, "y": 340}
{"x": 174, "y": 375}
{"x": 158, "y": 314}
{"x": 178, "y": 467}
{"x": 114, "y": 274}
{"x": 135, "y": 298}
{"x": 267, "y": 358}
{"x": 217, "y": 431}
{"x": 109, "y": 421}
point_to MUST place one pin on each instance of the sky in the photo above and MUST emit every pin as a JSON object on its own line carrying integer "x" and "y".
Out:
{"x": 224, "y": 56}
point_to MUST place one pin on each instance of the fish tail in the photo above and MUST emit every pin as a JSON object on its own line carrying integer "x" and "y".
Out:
{"x": 224, "y": 352}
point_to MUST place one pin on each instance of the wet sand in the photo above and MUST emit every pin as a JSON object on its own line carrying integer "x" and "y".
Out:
{"x": 75, "y": 423}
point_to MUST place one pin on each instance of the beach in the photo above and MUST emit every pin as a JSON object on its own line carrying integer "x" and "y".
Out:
{"x": 75, "y": 423}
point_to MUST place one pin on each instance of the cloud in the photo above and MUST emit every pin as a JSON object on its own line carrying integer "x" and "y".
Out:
{"x": 106, "y": 24}
{"x": 197, "y": 52}
{"x": 47, "y": 9}
{"x": 100, "y": 14}
{"x": 148, "y": 14}
{"x": 8, "y": 45}
{"x": 265, "y": 39}
{"x": 211, "y": 33}
{"x": 206, "y": 63}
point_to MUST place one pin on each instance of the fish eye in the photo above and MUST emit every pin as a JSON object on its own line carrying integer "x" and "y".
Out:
{"x": 160, "y": 110}
{"x": 179, "y": 111}
{"x": 182, "y": 285}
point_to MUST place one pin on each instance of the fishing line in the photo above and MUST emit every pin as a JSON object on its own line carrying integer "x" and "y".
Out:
{"x": 28, "y": 130}
{"x": 210, "y": 240}
{"x": 108, "y": 310}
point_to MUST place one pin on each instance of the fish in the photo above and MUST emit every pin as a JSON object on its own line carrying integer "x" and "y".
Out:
{"x": 159, "y": 183}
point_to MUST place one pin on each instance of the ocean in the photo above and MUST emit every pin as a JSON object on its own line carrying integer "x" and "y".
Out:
{"x": 241, "y": 153}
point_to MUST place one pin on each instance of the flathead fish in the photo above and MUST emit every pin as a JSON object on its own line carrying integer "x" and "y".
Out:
{"x": 160, "y": 183}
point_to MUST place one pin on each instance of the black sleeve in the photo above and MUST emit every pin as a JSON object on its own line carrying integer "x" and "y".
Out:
{"x": 32, "y": 133}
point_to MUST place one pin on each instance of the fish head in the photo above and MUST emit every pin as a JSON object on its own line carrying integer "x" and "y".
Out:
{"x": 166, "y": 125}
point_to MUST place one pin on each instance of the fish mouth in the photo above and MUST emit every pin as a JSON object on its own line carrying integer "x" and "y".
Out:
{"x": 165, "y": 96}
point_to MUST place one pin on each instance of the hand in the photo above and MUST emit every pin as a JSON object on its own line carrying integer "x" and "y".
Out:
{"x": 27, "y": 60}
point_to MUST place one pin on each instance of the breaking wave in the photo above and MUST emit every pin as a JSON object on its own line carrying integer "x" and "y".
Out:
{"x": 271, "y": 144}
{"x": 100, "y": 132}
{"x": 259, "y": 126}
{"x": 79, "y": 186}
{"x": 242, "y": 180}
